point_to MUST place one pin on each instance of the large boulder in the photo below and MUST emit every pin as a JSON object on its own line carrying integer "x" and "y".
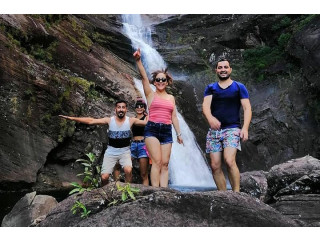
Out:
{"x": 29, "y": 209}
{"x": 299, "y": 175}
{"x": 159, "y": 207}
{"x": 304, "y": 208}
{"x": 254, "y": 183}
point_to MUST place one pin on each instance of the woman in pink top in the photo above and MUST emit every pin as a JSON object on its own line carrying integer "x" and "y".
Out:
{"x": 158, "y": 131}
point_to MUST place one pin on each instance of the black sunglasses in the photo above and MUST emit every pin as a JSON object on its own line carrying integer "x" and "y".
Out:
{"x": 161, "y": 79}
{"x": 139, "y": 106}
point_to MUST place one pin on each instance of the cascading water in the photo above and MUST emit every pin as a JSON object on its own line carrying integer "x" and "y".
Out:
{"x": 140, "y": 37}
{"x": 188, "y": 169}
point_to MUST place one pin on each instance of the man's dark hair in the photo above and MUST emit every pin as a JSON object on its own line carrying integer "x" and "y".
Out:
{"x": 121, "y": 101}
{"x": 222, "y": 60}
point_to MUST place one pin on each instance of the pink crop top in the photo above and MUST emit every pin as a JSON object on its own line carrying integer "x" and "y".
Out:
{"x": 160, "y": 110}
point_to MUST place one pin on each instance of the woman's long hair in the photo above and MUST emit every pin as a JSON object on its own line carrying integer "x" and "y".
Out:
{"x": 165, "y": 72}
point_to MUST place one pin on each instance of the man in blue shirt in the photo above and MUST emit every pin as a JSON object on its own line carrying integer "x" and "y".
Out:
{"x": 221, "y": 107}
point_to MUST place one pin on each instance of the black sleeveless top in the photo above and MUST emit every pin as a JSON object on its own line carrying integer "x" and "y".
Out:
{"x": 138, "y": 130}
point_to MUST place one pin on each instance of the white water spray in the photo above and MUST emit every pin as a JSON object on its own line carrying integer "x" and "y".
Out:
{"x": 187, "y": 166}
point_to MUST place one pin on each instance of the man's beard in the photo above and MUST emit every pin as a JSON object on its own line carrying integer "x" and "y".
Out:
{"x": 120, "y": 116}
{"x": 223, "y": 78}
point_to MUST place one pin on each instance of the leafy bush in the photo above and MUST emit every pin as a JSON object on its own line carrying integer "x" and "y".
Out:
{"x": 43, "y": 53}
{"x": 77, "y": 206}
{"x": 91, "y": 175}
{"x": 127, "y": 191}
{"x": 284, "y": 22}
{"x": 258, "y": 59}
{"x": 284, "y": 39}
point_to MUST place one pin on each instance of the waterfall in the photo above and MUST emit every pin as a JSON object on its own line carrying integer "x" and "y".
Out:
{"x": 140, "y": 37}
{"x": 188, "y": 168}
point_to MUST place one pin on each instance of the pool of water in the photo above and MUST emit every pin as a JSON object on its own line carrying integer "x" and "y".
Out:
{"x": 193, "y": 188}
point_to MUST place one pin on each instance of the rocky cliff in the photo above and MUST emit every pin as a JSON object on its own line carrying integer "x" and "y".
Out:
{"x": 51, "y": 65}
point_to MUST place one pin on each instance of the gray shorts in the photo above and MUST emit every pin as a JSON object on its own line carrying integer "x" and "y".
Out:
{"x": 109, "y": 161}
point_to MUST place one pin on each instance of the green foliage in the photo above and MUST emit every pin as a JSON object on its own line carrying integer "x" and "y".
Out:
{"x": 50, "y": 19}
{"x": 257, "y": 59}
{"x": 78, "y": 206}
{"x": 83, "y": 83}
{"x": 91, "y": 172}
{"x": 87, "y": 86}
{"x": 305, "y": 19}
{"x": 91, "y": 175}
{"x": 78, "y": 188}
{"x": 284, "y": 39}
{"x": 46, "y": 118}
{"x": 102, "y": 38}
{"x": 66, "y": 129}
{"x": 13, "y": 41}
{"x": 83, "y": 41}
{"x": 28, "y": 92}
{"x": 284, "y": 22}
{"x": 127, "y": 191}
{"x": 42, "y": 53}
{"x": 91, "y": 180}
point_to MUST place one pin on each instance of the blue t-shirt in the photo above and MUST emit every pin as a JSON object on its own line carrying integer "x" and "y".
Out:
{"x": 225, "y": 105}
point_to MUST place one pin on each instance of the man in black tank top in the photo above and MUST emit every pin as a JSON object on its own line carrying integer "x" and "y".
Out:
{"x": 119, "y": 141}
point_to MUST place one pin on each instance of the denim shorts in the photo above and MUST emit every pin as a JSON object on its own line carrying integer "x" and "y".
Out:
{"x": 138, "y": 149}
{"x": 161, "y": 131}
{"x": 217, "y": 140}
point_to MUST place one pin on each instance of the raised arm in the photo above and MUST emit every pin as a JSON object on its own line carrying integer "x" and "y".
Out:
{"x": 247, "y": 114}
{"x": 175, "y": 123}
{"x": 88, "y": 120}
{"x": 206, "y": 109}
{"x": 145, "y": 81}
{"x": 138, "y": 122}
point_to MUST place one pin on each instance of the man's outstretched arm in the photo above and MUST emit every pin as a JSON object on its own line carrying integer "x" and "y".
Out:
{"x": 88, "y": 120}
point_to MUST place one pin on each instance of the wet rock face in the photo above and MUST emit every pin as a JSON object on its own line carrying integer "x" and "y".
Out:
{"x": 304, "y": 208}
{"x": 305, "y": 47}
{"x": 53, "y": 65}
{"x": 292, "y": 188}
{"x": 163, "y": 207}
{"x": 28, "y": 209}
{"x": 254, "y": 183}
{"x": 294, "y": 177}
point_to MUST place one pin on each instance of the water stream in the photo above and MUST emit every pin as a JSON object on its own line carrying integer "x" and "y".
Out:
{"x": 188, "y": 169}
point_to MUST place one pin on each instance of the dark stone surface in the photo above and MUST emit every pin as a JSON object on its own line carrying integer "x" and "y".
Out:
{"x": 254, "y": 183}
{"x": 305, "y": 46}
{"x": 304, "y": 208}
{"x": 290, "y": 177}
{"x": 28, "y": 209}
{"x": 167, "y": 208}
